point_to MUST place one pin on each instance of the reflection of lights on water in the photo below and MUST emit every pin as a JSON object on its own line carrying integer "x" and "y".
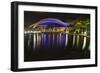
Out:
{"x": 34, "y": 41}
{"x": 66, "y": 41}
{"x": 29, "y": 40}
{"x": 37, "y": 39}
{"x": 84, "y": 42}
{"x": 44, "y": 38}
{"x": 53, "y": 40}
{"x": 48, "y": 40}
{"x": 74, "y": 39}
{"x": 77, "y": 40}
{"x": 60, "y": 38}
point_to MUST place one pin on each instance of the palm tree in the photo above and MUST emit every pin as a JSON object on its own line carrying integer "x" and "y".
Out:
{"x": 81, "y": 25}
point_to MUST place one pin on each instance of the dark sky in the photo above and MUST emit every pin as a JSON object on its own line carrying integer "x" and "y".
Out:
{"x": 31, "y": 17}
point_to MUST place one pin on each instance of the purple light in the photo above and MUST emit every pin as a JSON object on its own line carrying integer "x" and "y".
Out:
{"x": 53, "y": 21}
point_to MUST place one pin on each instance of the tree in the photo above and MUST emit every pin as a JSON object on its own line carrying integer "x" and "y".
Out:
{"x": 81, "y": 25}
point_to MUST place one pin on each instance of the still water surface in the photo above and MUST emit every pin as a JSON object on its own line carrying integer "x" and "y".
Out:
{"x": 55, "y": 45}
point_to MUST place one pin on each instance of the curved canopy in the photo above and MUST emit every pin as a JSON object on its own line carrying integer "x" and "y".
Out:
{"x": 53, "y": 21}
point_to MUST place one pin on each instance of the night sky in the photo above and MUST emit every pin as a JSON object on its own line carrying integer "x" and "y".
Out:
{"x": 31, "y": 17}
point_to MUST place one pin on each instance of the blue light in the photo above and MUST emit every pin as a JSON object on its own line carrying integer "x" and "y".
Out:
{"x": 53, "y": 21}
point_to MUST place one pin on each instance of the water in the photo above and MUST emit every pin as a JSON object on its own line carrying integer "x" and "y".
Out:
{"x": 52, "y": 46}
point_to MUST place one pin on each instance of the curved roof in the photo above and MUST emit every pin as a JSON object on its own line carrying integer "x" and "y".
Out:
{"x": 52, "y": 21}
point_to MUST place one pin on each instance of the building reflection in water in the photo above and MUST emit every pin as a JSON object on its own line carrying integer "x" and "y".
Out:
{"x": 46, "y": 40}
{"x": 42, "y": 46}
